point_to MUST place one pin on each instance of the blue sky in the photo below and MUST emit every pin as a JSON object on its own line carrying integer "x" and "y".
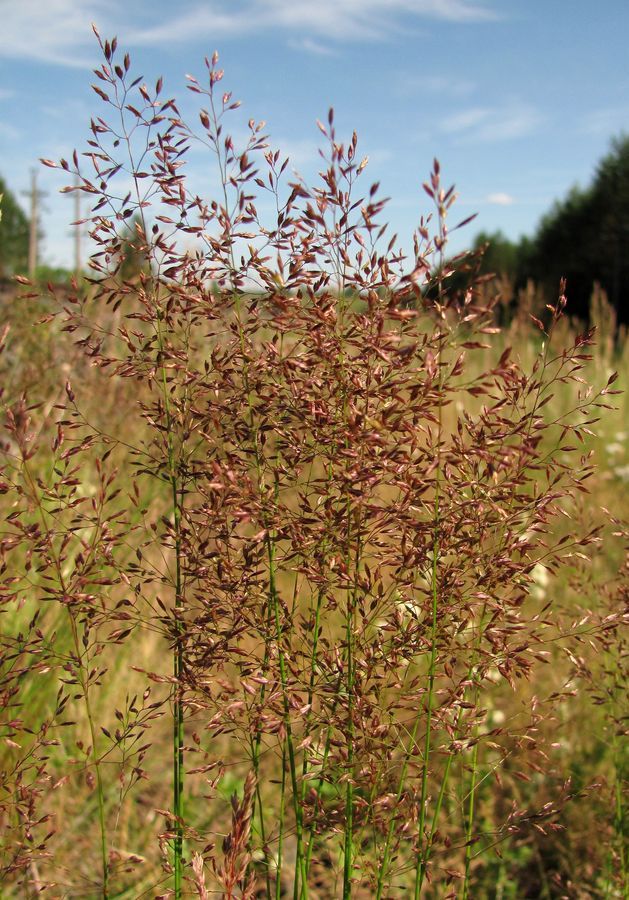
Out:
{"x": 518, "y": 100}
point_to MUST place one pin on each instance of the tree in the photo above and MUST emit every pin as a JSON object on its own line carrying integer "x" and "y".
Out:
{"x": 610, "y": 203}
{"x": 501, "y": 255}
{"x": 585, "y": 238}
{"x": 14, "y": 228}
{"x": 132, "y": 251}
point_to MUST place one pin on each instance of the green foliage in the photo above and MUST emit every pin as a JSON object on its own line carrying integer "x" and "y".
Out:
{"x": 132, "y": 251}
{"x": 14, "y": 227}
{"x": 501, "y": 255}
{"x": 583, "y": 238}
{"x": 54, "y": 274}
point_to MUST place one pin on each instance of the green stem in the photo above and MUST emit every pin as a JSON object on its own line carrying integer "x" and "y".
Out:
{"x": 446, "y": 773}
{"x": 470, "y": 822}
{"x": 422, "y": 854}
{"x": 619, "y": 816}
{"x": 384, "y": 866}
{"x": 255, "y": 757}
{"x": 178, "y": 721}
{"x": 348, "y": 848}
{"x": 178, "y": 652}
{"x": 304, "y": 766}
{"x": 101, "y": 797}
{"x": 297, "y": 808}
{"x": 326, "y": 753}
{"x": 280, "y": 842}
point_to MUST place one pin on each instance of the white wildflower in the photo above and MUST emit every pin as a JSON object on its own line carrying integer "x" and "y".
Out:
{"x": 622, "y": 472}
{"x": 614, "y": 448}
{"x": 540, "y": 581}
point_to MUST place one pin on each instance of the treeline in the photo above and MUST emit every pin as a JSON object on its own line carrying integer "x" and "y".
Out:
{"x": 14, "y": 241}
{"x": 14, "y": 230}
{"x": 583, "y": 238}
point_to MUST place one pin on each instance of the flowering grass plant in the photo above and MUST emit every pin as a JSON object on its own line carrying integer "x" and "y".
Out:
{"x": 327, "y": 505}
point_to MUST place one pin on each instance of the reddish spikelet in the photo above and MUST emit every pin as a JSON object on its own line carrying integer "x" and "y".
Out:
{"x": 199, "y": 877}
{"x": 232, "y": 873}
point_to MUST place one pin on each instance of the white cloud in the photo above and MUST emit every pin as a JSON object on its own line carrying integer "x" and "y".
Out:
{"x": 500, "y": 199}
{"x": 492, "y": 123}
{"x": 199, "y": 23}
{"x": 444, "y": 85}
{"x": 56, "y": 32}
{"x": 65, "y": 110}
{"x": 60, "y": 30}
{"x": 465, "y": 120}
{"x": 300, "y": 152}
{"x": 605, "y": 121}
{"x": 309, "y": 46}
{"x": 9, "y": 131}
{"x": 331, "y": 19}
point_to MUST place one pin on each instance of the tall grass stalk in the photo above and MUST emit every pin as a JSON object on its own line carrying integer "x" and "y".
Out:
{"x": 80, "y": 672}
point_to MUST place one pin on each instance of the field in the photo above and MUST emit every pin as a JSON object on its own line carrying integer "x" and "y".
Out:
{"x": 316, "y": 589}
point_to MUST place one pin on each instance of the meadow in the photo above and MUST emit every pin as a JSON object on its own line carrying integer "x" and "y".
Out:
{"x": 314, "y": 570}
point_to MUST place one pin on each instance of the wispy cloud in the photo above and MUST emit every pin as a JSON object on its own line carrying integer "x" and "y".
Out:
{"x": 606, "y": 120}
{"x": 500, "y": 199}
{"x": 56, "y": 32}
{"x": 465, "y": 120}
{"x": 338, "y": 20}
{"x": 431, "y": 85}
{"x": 307, "y": 45}
{"x": 6, "y": 94}
{"x": 9, "y": 131}
{"x": 499, "y": 123}
{"x": 300, "y": 152}
{"x": 59, "y": 31}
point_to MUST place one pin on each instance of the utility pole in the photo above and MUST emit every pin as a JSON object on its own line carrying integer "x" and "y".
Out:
{"x": 35, "y": 195}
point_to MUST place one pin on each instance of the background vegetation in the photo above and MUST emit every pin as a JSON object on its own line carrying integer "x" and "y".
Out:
{"x": 14, "y": 228}
{"x": 581, "y": 238}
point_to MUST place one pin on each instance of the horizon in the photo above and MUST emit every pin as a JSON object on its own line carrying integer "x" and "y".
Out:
{"x": 514, "y": 110}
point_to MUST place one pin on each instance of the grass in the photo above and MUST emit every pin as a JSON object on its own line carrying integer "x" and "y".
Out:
{"x": 309, "y": 583}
